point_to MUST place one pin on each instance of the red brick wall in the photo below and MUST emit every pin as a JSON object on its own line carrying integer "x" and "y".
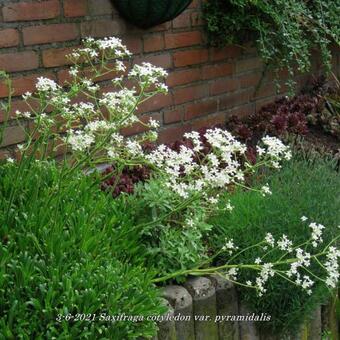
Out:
{"x": 206, "y": 84}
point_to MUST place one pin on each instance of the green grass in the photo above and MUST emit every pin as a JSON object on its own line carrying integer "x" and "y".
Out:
{"x": 310, "y": 188}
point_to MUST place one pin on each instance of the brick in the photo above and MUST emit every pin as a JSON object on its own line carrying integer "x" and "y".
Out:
{"x": 259, "y": 103}
{"x": 22, "y": 84}
{"x": 200, "y": 109}
{"x": 182, "y": 39}
{"x": 49, "y": 33}
{"x": 185, "y": 58}
{"x": 228, "y": 52}
{"x": 266, "y": 90}
{"x": 219, "y": 70}
{"x": 133, "y": 43}
{"x": 248, "y": 65}
{"x": 208, "y": 121}
{"x": 250, "y": 79}
{"x": 102, "y": 28}
{"x": 56, "y": 57}
{"x": 153, "y": 43}
{"x": 184, "y": 77}
{"x": 75, "y": 8}
{"x": 242, "y": 111}
{"x": 13, "y": 135}
{"x": 100, "y": 7}
{"x": 190, "y": 93}
{"x": 182, "y": 20}
{"x": 159, "y": 28}
{"x": 224, "y": 85}
{"x": 171, "y": 134}
{"x": 173, "y": 116}
{"x": 9, "y": 37}
{"x": 196, "y": 19}
{"x": 163, "y": 60}
{"x": 27, "y": 11}
{"x": 158, "y": 102}
{"x": 19, "y": 61}
{"x": 236, "y": 99}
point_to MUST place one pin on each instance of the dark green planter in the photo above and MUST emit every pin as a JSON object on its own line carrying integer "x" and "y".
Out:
{"x": 148, "y": 13}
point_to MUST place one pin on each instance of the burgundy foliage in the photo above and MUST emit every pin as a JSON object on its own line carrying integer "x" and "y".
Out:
{"x": 126, "y": 181}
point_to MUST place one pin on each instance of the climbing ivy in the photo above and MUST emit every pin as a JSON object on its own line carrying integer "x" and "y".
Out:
{"x": 285, "y": 31}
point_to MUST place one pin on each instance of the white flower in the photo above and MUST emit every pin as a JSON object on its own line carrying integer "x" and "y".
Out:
{"x": 79, "y": 140}
{"x": 266, "y": 190}
{"x": 194, "y": 136}
{"x": 316, "y": 233}
{"x": 276, "y": 150}
{"x": 148, "y": 74}
{"x": 258, "y": 260}
{"x": 46, "y": 85}
{"x": 134, "y": 148}
{"x": 307, "y": 282}
{"x": 120, "y": 66}
{"x": 304, "y": 218}
{"x": 229, "y": 245}
{"x": 213, "y": 200}
{"x": 260, "y": 150}
{"x": 10, "y": 160}
{"x": 153, "y": 123}
{"x": 270, "y": 239}
{"x": 190, "y": 223}
{"x": 285, "y": 244}
{"x": 228, "y": 206}
{"x": 27, "y": 95}
{"x": 332, "y": 267}
{"x": 232, "y": 274}
{"x": 266, "y": 272}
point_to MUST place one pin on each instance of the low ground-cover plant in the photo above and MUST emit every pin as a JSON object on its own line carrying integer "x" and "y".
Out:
{"x": 72, "y": 244}
{"x": 68, "y": 256}
{"x": 285, "y": 31}
{"x": 292, "y": 118}
{"x": 328, "y": 114}
{"x": 304, "y": 187}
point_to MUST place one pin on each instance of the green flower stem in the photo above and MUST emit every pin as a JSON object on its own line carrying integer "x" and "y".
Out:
{"x": 215, "y": 270}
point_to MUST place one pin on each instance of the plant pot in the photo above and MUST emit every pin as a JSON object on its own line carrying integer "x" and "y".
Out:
{"x": 148, "y": 13}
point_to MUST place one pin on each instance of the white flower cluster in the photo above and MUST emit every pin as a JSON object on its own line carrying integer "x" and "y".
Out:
{"x": 270, "y": 239}
{"x": 285, "y": 244}
{"x": 121, "y": 103}
{"x": 316, "y": 233}
{"x": 229, "y": 246}
{"x": 266, "y": 272}
{"x": 265, "y": 190}
{"x": 190, "y": 170}
{"x": 186, "y": 175}
{"x": 332, "y": 267}
{"x": 46, "y": 85}
{"x": 232, "y": 274}
{"x": 95, "y": 47}
{"x": 80, "y": 140}
{"x": 275, "y": 149}
{"x": 147, "y": 74}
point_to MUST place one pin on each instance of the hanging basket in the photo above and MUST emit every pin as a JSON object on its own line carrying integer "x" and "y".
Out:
{"x": 148, "y": 13}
